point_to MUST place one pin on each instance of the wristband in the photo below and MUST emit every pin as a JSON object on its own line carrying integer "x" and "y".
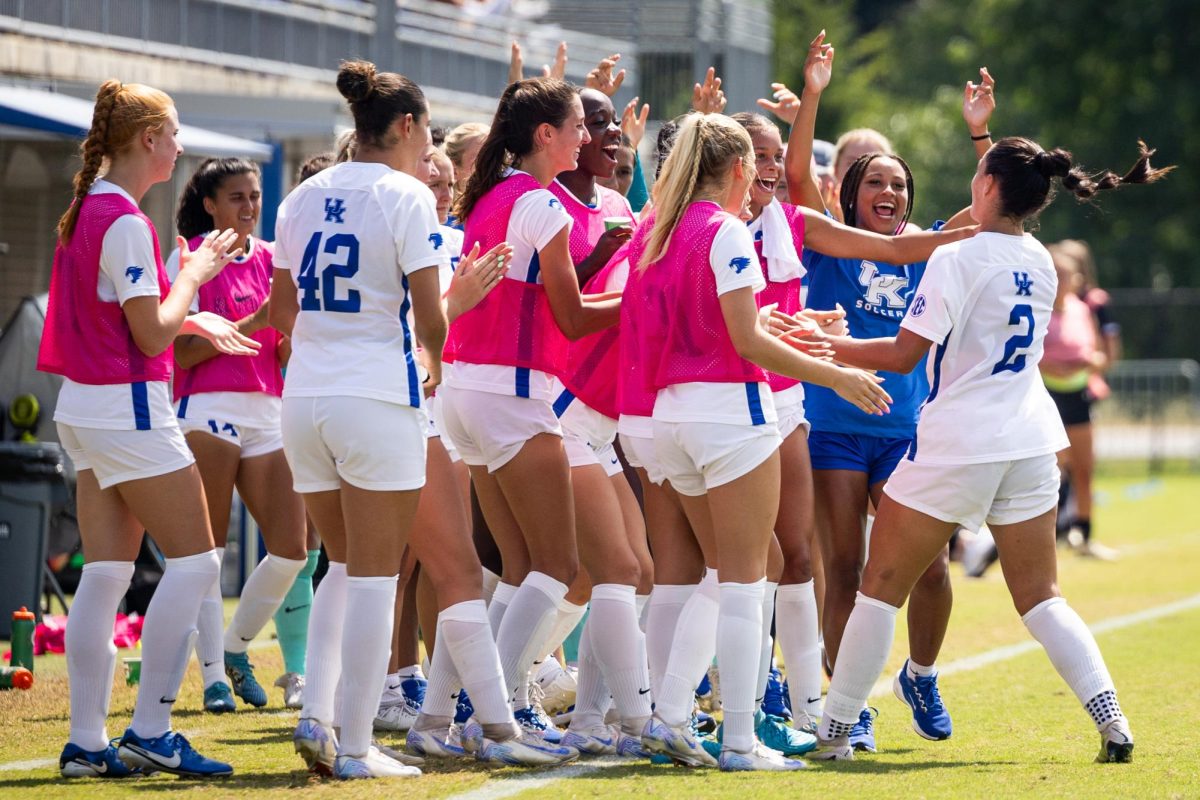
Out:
{"x": 981, "y": 137}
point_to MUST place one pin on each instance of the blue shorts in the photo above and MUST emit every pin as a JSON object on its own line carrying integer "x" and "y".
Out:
{"x": 874, "y": 455}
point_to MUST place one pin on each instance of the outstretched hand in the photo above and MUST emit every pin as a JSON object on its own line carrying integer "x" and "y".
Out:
{"x": 516, "y": 63}
{"x": 210, "y": 256}
{"x": 707, "y": 97}
{"x": 476, "y": 276}
{"x": 223, "y": 334}
{"x": 633, "y": 123}
{"x": 786, "y": 104}
{"x": 601, "y": 77}
{"x": 979, "y": 101}
{"x": 818, "y": 65}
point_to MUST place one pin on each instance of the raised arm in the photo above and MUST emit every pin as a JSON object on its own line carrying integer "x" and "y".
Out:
{"x": 803, "y": 187}
{"x": 979, "y": 101}
{"x": 835, "y": 239}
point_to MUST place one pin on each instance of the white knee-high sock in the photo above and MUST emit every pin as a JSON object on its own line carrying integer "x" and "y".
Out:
{"x": 863, "y": 652}
{"x": 261, "y": 596}
{"x": 209, "y": 625}
{"x": 465, "y": 633}
{"x": 796, "y": 629}
{"x": 1076, "y": 657}
{"x": 617, "y": 644}
{"x": 566, "y": 619}
{"x": 441, "y": 695}
{"x": 767, "y": 645}
{"x": 692, "y": 650}
{"x": 323, "y": 662}
{"x": 366, "y": 643}
{"x": 666, "y": 601}
{"x": 168, "y": 636}
{"x": 91, "y": 654}
{"x": 501, "y": 597}
{"x": 592, "y": 696}
{"x": 527, "y": 626}
{"x": 739, "y": 649}
{"x": 490, "y": 581}
{"x": 643, "y": 602}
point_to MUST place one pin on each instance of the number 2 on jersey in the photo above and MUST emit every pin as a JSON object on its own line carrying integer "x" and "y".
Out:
{"x": 327, "y": 284}
{"x": 1012, "y": 360}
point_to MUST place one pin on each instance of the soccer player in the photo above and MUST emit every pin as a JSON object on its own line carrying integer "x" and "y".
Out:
{"x": 986, "y": 443}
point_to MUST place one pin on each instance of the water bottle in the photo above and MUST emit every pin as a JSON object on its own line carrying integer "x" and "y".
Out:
{"x": 23, "y": 623}
{"x": 15, "y": 678}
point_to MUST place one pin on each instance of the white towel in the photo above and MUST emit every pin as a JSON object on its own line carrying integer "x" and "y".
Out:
{"x": 783, "y": 262}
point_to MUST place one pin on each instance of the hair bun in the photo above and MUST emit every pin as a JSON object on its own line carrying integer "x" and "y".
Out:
{"x": 356, "y": 80}
{"x": 1053, "y": 163}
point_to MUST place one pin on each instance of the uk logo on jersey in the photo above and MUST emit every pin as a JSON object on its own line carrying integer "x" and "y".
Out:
{"x": 436, "y": 239}
{"x": 738, "y": 264}
{"x": 882, "y": 291}
{"x": 134, "y": 274}
{"x": 335, "y": 207}
{"x": 1024, "y": 284}
{"x": 554, "y": 203}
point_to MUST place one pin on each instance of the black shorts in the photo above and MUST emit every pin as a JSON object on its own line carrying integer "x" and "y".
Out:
{"x": 1075, "y": 408}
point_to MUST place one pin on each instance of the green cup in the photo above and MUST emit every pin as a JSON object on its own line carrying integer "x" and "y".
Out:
{"x": 616, "y": 222}
{"x": 133, "y": 671}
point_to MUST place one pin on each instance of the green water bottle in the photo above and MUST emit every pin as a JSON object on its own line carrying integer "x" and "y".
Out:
{"x": 15, "y": 678}
{"x": 23, "y": 623}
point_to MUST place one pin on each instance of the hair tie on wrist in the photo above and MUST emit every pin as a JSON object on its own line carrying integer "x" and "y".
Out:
{"x": 981, "y": 137}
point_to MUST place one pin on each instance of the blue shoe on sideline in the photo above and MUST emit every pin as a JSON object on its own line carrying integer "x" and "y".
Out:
{"x": 862, "y": 735}
{"x": 774, "y": 701}
{"x": 241, "y": 676}
{"x": 413, "y": 690}
{"x": 75, "y": 762}
{"x": 775, "y": 733}
{"x": 463, "y": 710}
{"x": 171, "y": 753}
{"x": 531, "y": 722}
{"x": 218, "y": 698}
{"x": 931, "y": 720}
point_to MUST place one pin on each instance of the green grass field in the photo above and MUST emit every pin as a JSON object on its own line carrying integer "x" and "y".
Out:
{"x": 1018, "y": 730}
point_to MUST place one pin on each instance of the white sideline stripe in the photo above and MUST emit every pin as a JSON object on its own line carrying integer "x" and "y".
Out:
{"x": 989, "y": 657}
{"x": 25, "y": 766}
{"x": 507, "y": 787}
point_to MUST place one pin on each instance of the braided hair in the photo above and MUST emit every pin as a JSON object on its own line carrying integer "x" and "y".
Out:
{"x": 853, "y": 180}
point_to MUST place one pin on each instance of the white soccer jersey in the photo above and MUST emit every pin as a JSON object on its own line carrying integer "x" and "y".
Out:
{"x": 350, "y": 236}
{"x": 985, "y": 302}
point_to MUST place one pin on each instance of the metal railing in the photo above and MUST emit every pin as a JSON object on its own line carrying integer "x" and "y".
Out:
{"x": 1152, "y": 415}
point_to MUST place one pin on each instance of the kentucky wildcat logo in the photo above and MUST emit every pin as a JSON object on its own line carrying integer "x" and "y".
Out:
{"x": 134, "y": 274}
{"x": 738, "y": 264}
{"x": 436, "y": 238}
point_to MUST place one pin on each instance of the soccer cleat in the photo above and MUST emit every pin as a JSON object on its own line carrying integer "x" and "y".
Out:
{"x": 775, "y": 702}
{"x": 551, "y": 732}
{"x": 595, "y": 740}
{"x": 525, "y": 750}
{"x": 534, "y": 723}
{"x": 463, "y": 710}
{"x": 171, "y": 753}
{"x": 705, "y": 724}
{"x": 630, "y": 746}
{"x": 241, "y": 676}
{"x": 837, "y": 749}
{"x": 430, "y": 744}
{"x": 677, "y": 743}
{"x": 316, "y": 744}
{"x": 558, "y": 686}
{"x": 372, "y": 764}
{"x": 931, "y": 720}
{"x": 396, "y": 716}
{"x": 218, "y": 698}
{"x": 760, "y": 759}
{"x": 75, "y": 762}
{"x": 862, "y": 735}
{"x": 293, "y": 689}
{"x": 805, "y": 722}
{"x": 397, "y": 755}
{"x": 1116, "y": 743}
{"x": 777, "y": 735}
{"x": 470, "y": 735}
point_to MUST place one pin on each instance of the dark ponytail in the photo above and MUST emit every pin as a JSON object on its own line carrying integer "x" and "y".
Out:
{"x": 377, "y": 99}
{"x": 524, "y": 106}
{"x": 192, "y": 219}
{"x": 1025, "y": 173}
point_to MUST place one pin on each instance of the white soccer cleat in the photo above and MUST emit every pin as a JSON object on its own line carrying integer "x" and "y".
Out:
{"x": 594, "y": 740}
{"x": 526, "y": 750}
{"x": 558, "y": 686}
{"x": 1116, "y": 743}
{"x": 398, "y": 755}
{"x": 317, "y": 745}
{"x": 396, "y": 716}
{"x": 837, "y": 749}
{"x": 678, "y": 744}
{"x": 373, "y": 764}
{"x": 293, "y": 689}
{"x": 432, "y": 744}
{"x": 760, "y": 759}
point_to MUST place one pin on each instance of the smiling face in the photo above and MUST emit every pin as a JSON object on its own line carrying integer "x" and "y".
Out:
{"x": 882, "y": 196}
{"x": 622, "y": 177}
{"x": 599, "y": 157}
{"x": 564, "y": 143}
{"x": 236, "y": 203}
{"x": 441, "y": 185}
{"x": 768, "y": 162}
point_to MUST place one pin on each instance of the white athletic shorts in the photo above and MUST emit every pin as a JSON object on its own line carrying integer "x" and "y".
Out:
{"x": 253, "y": 441}
{"x": 371, "y": 444}
{"x": 791, "y": 417}
{"x": 435, "y": 428}
{"x": 588, "y": 437}
{"x": 698, "y": 456}
{"x": 637, "y": 442}
{"x": 490, "y": 429}
{"x": 121, "y": 456}
{"x": 1001, "y": 492}
{"x": 249, "y": 420}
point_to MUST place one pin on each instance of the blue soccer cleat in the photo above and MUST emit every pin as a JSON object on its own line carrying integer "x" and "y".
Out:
{"x": 75, "y": 762}
{"x": 776, "y": 734}
{"x": 775, "y": 701}
{"x": 538, "y": 725}
{"x": 241, "y": 676}
{"x": 171, "y": 753}
{"x": 931, "y": 720}
{"x": 862, "y": 735}
{"x": 218, "y": 698}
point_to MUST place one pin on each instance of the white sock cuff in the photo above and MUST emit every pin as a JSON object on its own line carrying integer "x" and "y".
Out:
{"x": 798, "y": 592}
{"x": 372, "y": 583}
{"x": 871, "y": 601}
{"x": 488, "y": 575}
{"x": 671, "y": 593}
{"x": 296, "y": 564}
{"x": 117, "y": 570}
{"x": 568, "y": 608}
{"x": 552, "y": 588}
{"x": 504, "y": 593}
{"x": 615, "y": 591}
{"x": 466, "y": 611}
{"x": 200, "y": 563}
{"x": 1041, "y": 607}
{"x": 756, "y": 588}
{"x": 710, "y": 578}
